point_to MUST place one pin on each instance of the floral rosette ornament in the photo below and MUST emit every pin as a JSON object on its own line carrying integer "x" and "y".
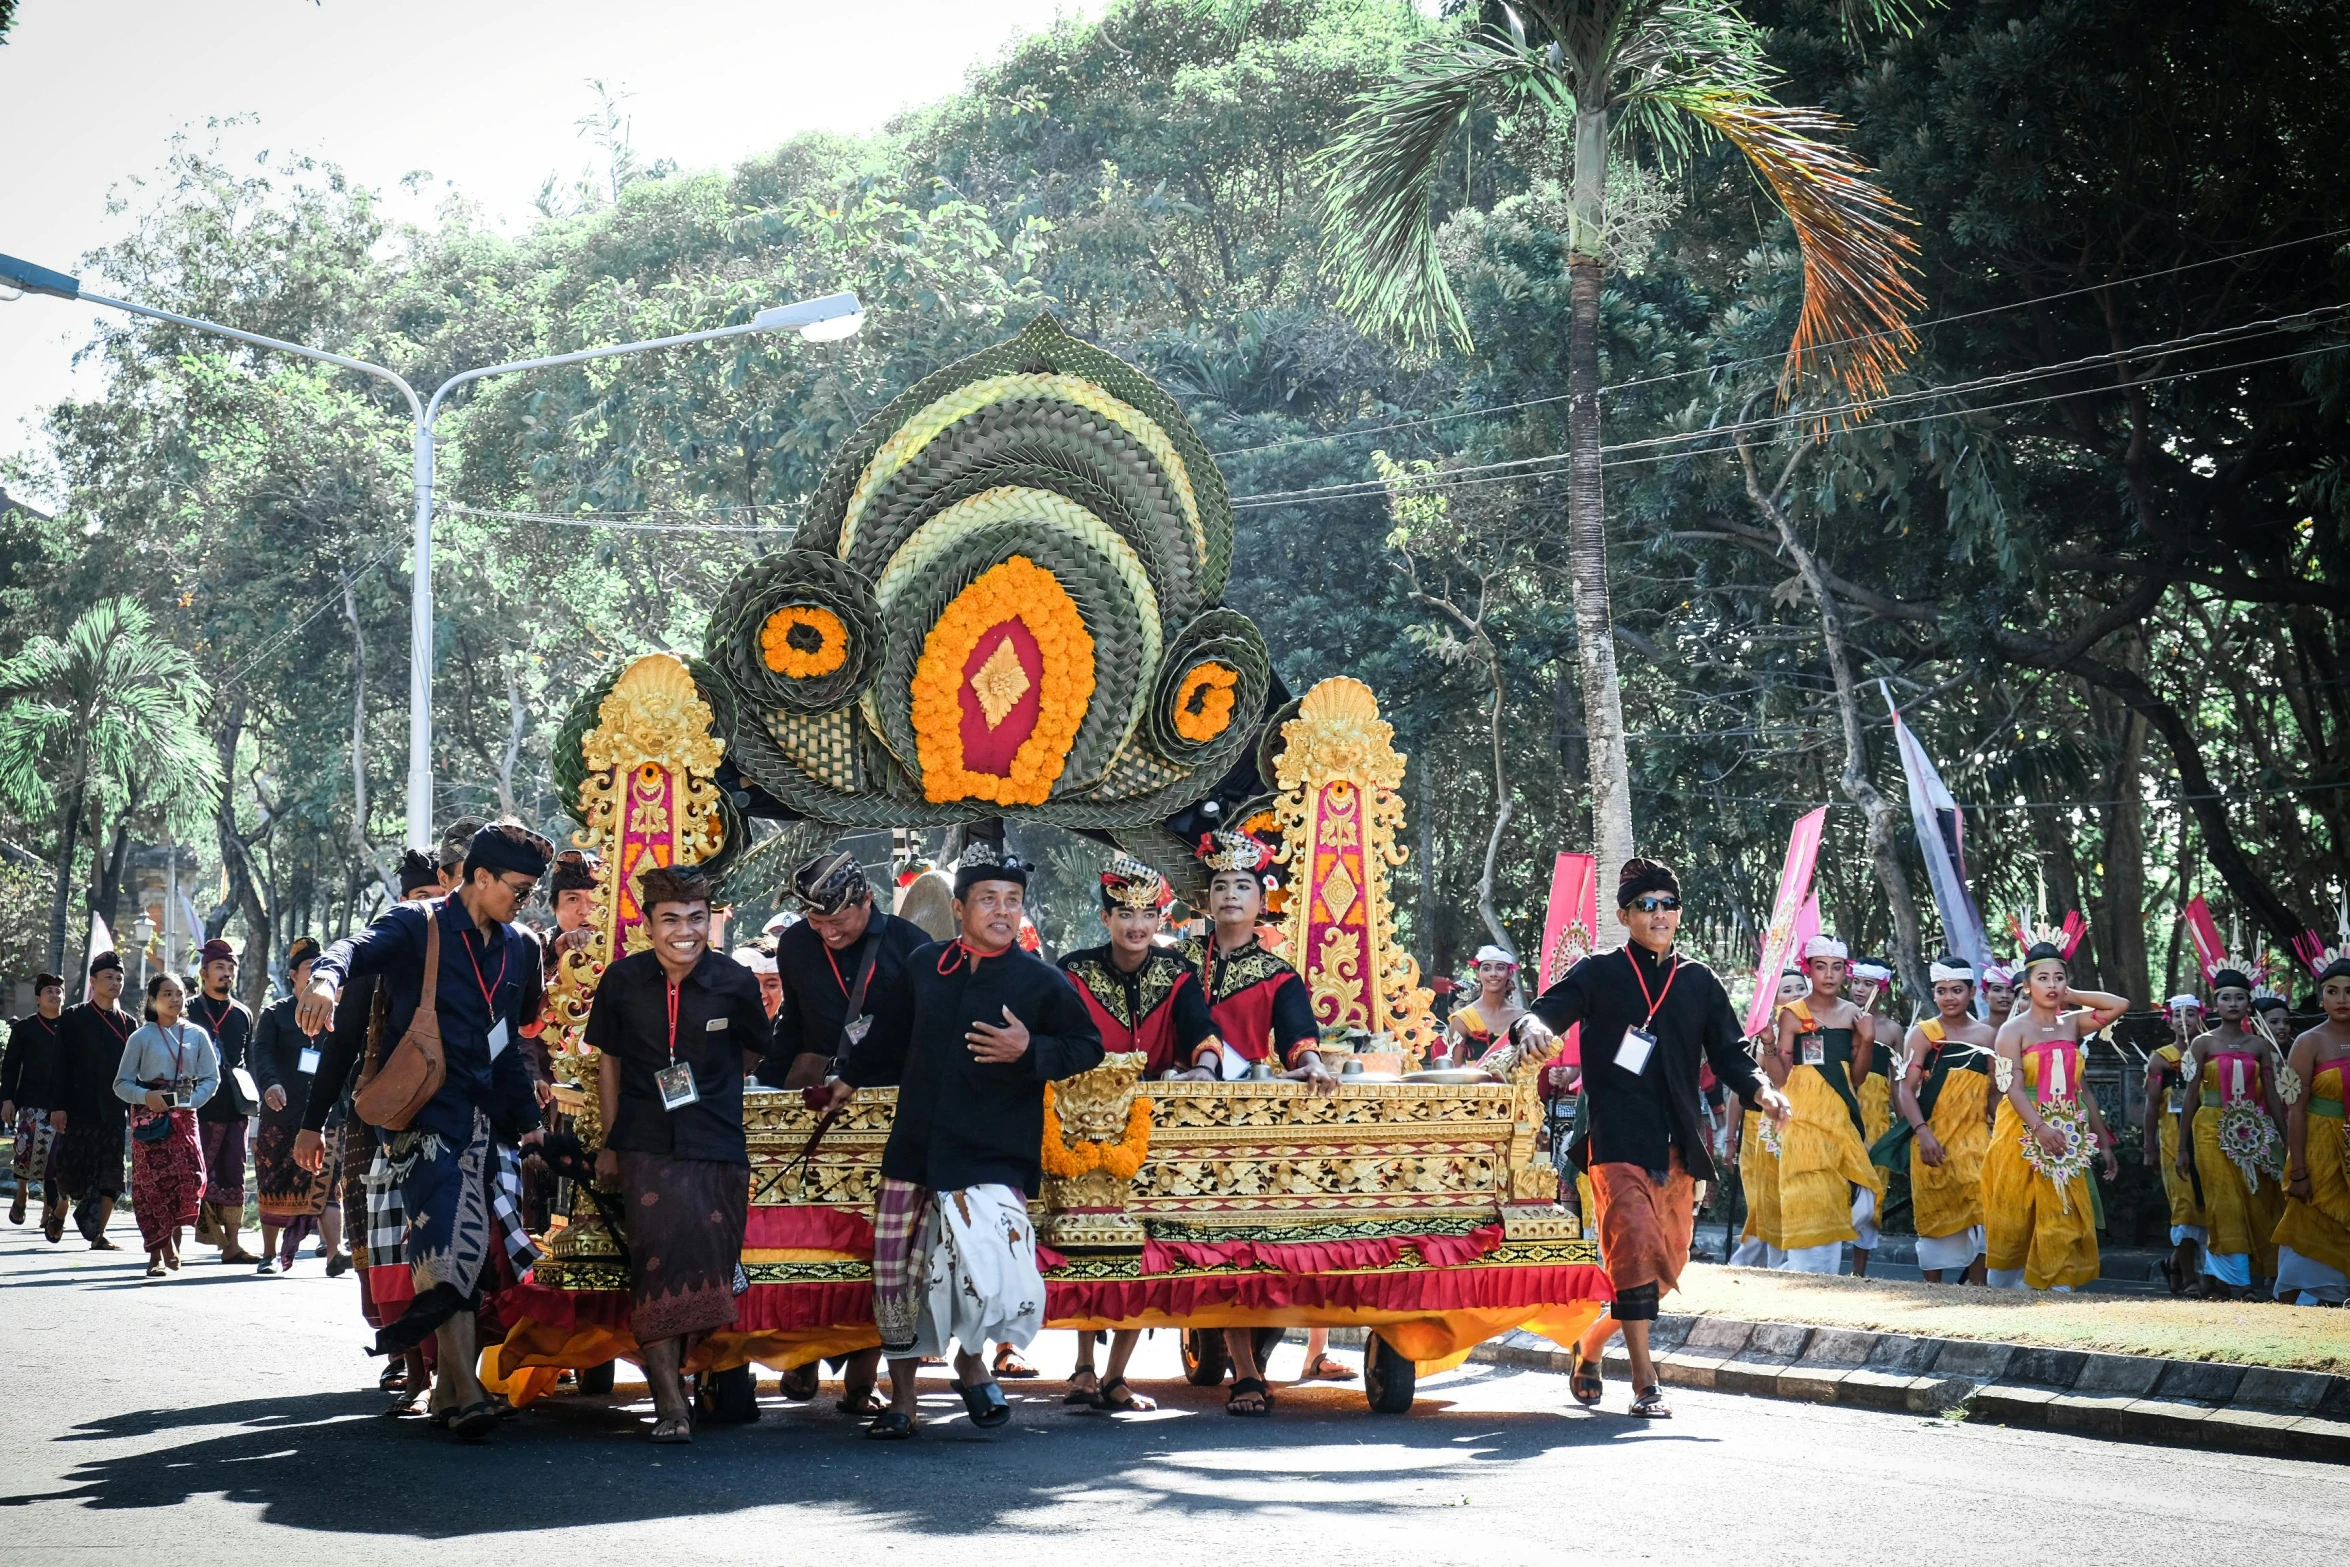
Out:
{"x": 2080, "y": 1149}
{"x": 797, "y": 630}
{"x": 1216, "y": 668}
{"x": 1122, "y": 1159}
{"x": 2249, "y": 1139}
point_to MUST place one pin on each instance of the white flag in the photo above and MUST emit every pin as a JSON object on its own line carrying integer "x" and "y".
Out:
{"x": 1941, "y": 830}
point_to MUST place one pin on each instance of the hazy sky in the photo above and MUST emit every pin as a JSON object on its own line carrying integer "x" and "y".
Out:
{"x": 482, "y": 93}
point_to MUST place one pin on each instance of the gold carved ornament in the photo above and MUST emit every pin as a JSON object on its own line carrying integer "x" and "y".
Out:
{"x": 1338, "y": 773}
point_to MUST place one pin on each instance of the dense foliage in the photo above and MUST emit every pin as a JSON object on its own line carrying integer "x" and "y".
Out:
{"x": 2107, "y": 598}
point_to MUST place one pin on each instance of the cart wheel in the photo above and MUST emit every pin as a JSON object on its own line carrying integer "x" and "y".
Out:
{"x": 596, "y": 1381}
{"x": 1204, "y": 1358}
{"x": 1266, "y": 1340}
{"x": 1389, "y": 1380}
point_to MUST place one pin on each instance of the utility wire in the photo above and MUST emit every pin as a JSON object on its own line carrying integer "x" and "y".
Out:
{"x": 634, "y": 522}
{"x": 269, "y": 648}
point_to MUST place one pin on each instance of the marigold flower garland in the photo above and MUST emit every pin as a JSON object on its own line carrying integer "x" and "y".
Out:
{"x": 1211, "y": 686}
{"x": 1019, "y": 588}
{"x": 786, "y": 657}
{"x": 1122, "y": 1159}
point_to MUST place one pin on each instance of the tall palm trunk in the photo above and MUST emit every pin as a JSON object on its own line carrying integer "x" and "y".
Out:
{"x": 72, "y": 841}
{"x": 1595, "y": 640}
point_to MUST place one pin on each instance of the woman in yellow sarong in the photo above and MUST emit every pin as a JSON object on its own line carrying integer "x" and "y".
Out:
{"x": 1871, "y": 980}
{"x": 2228, "y": 1137}
{"x": 1945, "y": 1083}
{"x": 2038, "y": 1229}
{"x": 1761, "y": 1244}
{"x": 2165, "y": 1093}
{"x": 1828, "y": 1189}
{"x": 2313, "y": 1238}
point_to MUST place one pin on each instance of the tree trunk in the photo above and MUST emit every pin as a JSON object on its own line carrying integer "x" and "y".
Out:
{"x": 1885, "y": 819}
{"x": 2119, "y": 916}
{"x": 1503, "y": 807}
{"x": 1595, "y": 640}
{"x": 71, "y": 834}
{"x": 243, "y": 894}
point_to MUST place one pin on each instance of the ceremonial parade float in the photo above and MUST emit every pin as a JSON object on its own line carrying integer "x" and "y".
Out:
{"x": 1005, "y": 602}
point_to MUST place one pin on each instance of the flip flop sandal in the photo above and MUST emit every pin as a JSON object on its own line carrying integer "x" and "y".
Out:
{"x": 1326, "y": 1370}
{"x": 800, "y": 1382}
{"x": 1583, "y": 1379}
{"x": 1009, "y": 1364}
{"x": 155, "y": 1270}
{"x": 395, "y": 1376}
{"x": 475, "y": 1421}
{"x": 890, "y": 1426}
{"x": 1246, "y": 1387}
{"x": 672, "y": 1433}
{"x": 1085, "y": 1396}
{"x": 862, "y": 1409}
{"x": 1117, "y": 1397}
{"x": 986, "y": 1402}
{"x": 1651, "y": 1405}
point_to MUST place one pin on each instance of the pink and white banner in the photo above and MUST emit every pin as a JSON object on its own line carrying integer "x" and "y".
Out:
{"x": 1787, "y": 910}
{"x": 1568, "y": 931}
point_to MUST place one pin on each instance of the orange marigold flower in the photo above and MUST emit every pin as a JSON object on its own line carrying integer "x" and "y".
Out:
{"x": 1203, "y": 702}
{"x": 803, "y": 641}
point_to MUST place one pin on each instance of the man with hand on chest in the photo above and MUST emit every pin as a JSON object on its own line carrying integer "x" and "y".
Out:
{"x": 971, "y": 1041}
{"x": 1649, "y": 1016}
{"x": 223, "y": 1121}
{"x": 671, "y": 1025}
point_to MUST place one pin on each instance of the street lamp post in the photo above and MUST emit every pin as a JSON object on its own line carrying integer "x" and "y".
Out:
{"x": 823, "y": 319}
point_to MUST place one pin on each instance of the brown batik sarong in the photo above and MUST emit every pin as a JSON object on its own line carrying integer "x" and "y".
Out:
{"x": 685, "y": 1242}
{"x": 288, "y": 1192}
{"x": 167, "y": 1179}
{"x": 1644, "y": 1225}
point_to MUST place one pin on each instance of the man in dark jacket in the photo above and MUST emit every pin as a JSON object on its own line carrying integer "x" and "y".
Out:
{"x": 844, "y": 955}
{"x": 91, "y": 1121}
{"x": 226, "y": 1117}
{"x": 1649, "y": 1016}
{"x": 28, "y": 1086}
{"x": 455, "y": 1161}
{"x": 979, "y": 1030}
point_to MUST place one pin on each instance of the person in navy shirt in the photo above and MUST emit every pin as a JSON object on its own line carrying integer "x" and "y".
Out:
{"x": 460, "y": 1174}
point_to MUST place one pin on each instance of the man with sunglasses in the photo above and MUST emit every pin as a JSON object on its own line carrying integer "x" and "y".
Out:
{"x": 461, "y": 1185}
{"x": 1649, "y": 1016}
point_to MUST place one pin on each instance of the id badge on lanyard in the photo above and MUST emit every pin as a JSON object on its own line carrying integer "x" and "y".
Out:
{"x": 1638, "y": 1044}
{"x": 676, "y": 1080}
{"x": 1815, "y": 1050}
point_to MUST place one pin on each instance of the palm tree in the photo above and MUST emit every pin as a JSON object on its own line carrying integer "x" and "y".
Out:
{"x": 109, "y": 703}
{"x": 1673, "y": 74}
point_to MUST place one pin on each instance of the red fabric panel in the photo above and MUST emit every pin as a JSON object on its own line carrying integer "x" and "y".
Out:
{"x": 1155, "y": 1038}
{"x": 1438, "y": 1251}
{"x": 384, "y": 1293}
{"x": 1452, "y": 1251}
{"x": 1048, "y": 1259}
{"x": 989, "y": 749}
{"x": 1244, "y": 1019}
{"x": 822, "y": 1229}
{"x": 1462, "y": 1289}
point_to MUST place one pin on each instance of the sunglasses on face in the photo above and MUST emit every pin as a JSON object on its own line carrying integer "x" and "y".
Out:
{"x": 1656, "y": 903}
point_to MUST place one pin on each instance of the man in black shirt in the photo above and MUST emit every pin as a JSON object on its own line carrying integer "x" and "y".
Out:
{"x": 671, "y": 1025}
{"x": 846, "y": 949}
{"x": 91, "y": 1122}
{"x": 223, "y": 1120}
{"x": 1648, "y": 1015}
{"x": 28, "y": 1077}
{"x": 977, "y": 1032}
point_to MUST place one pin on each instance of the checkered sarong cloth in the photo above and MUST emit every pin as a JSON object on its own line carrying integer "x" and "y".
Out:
{"x": 396, "y": 1157}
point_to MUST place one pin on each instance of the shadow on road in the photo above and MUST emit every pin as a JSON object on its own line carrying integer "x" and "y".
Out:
{"x": 330, "y": 1462}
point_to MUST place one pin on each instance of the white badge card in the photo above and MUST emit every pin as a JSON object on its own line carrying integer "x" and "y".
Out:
{"x": 677, "y": 1086}
{"x": 1815, "y": 1050}
{"x": 1632, "y": 1054}
{"x": 857, "y": 1029}
{"x": 307, "y": 1063}
{"x": 498, "y": 1039}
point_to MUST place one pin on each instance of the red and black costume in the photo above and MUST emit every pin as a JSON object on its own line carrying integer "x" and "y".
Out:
{"x": 1257, "y": 1002}
{"x": 1159, "y": 1009}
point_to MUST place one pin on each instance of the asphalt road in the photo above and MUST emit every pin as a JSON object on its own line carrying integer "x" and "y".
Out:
{"x": 221, "y": 1417}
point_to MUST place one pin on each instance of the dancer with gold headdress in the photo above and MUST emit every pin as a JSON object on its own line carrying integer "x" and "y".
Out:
{"x": 2228, "y": 1137}
{"x": 1945, "y": 1080}
{"x": 2038, "y": 1229}
{"x": 2313, "y": 1237}
{"x": 1828, "y": 1190}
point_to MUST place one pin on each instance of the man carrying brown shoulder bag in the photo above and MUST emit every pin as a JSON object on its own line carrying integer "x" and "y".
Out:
{"x": 455, "y": 1153}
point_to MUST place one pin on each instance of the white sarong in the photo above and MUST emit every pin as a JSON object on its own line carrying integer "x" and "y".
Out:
{"x": 980, "y": 1281}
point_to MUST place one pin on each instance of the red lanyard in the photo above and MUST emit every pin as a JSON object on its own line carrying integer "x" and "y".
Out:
{"x": 829, "y": 958}
{"x": 488, "y": 991}
{"x": 121, "y": 1034}
{"x": 179, "y": 1046}
{"x": 1672, "y": 973}
{"x": 672, "y": 1022}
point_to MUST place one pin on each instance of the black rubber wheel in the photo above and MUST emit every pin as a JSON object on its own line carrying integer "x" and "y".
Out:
{"x": 1389, "y": 1380}
{"x": 1205, "y": 1360}
{"x": 596, "y": 1381}
{"x": 1265, "y": 1339}
{"x": 727, "y": 1398}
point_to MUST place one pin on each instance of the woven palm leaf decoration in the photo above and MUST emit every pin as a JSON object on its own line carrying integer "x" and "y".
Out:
{"x": 1004, "y": 599}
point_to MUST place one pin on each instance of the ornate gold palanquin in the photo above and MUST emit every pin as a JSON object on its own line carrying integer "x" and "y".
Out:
{"x": 1341, "y": 821}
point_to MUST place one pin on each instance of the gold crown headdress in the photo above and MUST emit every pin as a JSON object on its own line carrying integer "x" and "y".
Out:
{"x": 1230, "y": 851}
{"x": 1130, "y": 884}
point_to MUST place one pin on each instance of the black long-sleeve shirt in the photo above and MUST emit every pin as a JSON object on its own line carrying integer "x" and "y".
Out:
{"x": 1636, "y": 1118}
{"x": 276, "y": 1062}
{"x": 89, "y": 1053}
{"x": 719, "y": 1016}
{"x": 817, "y": 982}
{"x": 230, "y": 1023}
{"x": 962, "y": 1122}
{"x": 28, "y": 1074}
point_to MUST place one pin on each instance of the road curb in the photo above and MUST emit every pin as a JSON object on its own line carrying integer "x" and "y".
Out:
{"x": 2133, "y": 1398}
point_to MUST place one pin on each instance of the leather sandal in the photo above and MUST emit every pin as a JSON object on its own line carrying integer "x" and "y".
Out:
{"x": 1651, "y": 1405}
{"x": 1583, "y": 1378}
{"x": 891, "y": 1426}
{"x": 671, "y": 1433}
{"x": 1085, "y": 1388}
{"x": 1250, "y": 1387}
{"x": 474, "y": 1422}
{"x": 1009, "y": 1364}
{"x": 863, "y": 1407}
{"x": 986, "y": 1402}
{"x": 1118, "y": 1398}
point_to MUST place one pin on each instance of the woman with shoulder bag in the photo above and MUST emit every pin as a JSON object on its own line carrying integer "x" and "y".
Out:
{"x": 169, "y": 1068}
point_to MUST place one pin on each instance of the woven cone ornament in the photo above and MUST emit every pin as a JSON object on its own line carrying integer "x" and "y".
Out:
{"x": 1003, "y": 600}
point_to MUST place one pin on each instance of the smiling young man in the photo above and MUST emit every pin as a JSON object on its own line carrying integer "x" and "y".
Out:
{"x": 845, "y": 954}
{"x": 971, "y": 1041}
{"x": 462, "y": 1185}
{"x": 1649, "y": 1017}
{"x": 671, "y": 1024}
{"x": 91, "y": 1122}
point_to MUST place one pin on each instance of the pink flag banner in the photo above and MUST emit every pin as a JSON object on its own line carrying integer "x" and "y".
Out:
{"x": 2211, "y": 954}
{"x": 1779, "y": 939}
{"x": 1568, "y": 930}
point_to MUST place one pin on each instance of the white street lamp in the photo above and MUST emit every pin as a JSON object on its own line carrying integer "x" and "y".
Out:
{"x": 828, "y": 318}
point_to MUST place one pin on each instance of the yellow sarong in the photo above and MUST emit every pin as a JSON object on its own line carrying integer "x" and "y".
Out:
{"x": 1876, "y": 1107}
{"x": 2242, "y": 1216}
{"x": 1821, "y": 1159}
{"x": 2027, "y": 1223}
{"x": 1948, "y": 1199}
{"x": 2184, "y": 1209}
{"x": 1758, "y": 1173}
{"x": 2319, "y": 1229}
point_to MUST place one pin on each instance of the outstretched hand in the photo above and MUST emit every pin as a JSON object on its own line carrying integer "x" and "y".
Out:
{"x": 1775, "y": 1104}
{"x": 314, "y": 1014}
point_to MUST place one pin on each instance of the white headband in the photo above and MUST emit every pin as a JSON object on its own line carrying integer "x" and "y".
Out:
{"x": 2186, "y": 1003}
{"x": 1825, "y": 947}
{"x": 1939, "y": 972}
{"x": 1493, "y": 954}
{"x": 753, "y": 959}
{"x": 1876, "y": 971}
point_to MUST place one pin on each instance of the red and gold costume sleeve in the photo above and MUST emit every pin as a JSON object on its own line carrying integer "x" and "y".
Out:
{"x": 1257, "y": 1002}
{"x": 1158, "y": 1010}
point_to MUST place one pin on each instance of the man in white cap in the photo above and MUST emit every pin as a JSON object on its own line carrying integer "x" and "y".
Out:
{"x": 1828, "y": 1189}
{"x": 1485, "y": 1022}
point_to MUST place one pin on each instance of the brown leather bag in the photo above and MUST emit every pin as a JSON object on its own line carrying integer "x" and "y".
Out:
{"x": 408, "y": 1078}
